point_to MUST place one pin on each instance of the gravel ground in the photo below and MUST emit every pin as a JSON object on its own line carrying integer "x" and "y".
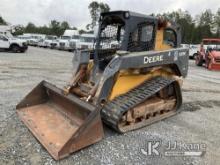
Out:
{"x": 199, "y": 122}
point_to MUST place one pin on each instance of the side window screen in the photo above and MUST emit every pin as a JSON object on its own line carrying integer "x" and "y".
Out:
{"x": 146, "y": 33}
{"x": 134, "y": 36}
{"x": 142, "y": 38}
{"x": 169, "y": 37}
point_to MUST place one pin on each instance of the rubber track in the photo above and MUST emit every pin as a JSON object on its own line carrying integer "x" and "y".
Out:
{"x": 113, "y": 111}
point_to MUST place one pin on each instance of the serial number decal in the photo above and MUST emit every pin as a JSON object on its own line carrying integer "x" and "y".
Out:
{"x": 176, "y": 54}
{"x": 149, "y": 60}
{"x": 182, "y": 54}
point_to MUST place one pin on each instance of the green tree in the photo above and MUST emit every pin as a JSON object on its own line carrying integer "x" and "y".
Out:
{"x": 2, "y": 21}
{"x": 30, "y": 28}
{"x": 104, "y": 7}
{"x": 206, "y": 24}
{"x": 82, "y": 31}
{"x": 55, "y": 28}
{"x": 185, "y": 20}
{"x": 74, "y": 28}
{"x": 19, "y": 30}
{"x": 206, "y": 18}
{"x": 65, "y": 25}
{"x": 95, "y": 9}
{"x": 217, "y": 23}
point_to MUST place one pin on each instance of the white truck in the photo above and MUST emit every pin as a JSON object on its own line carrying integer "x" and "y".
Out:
{"x": 66, "y": 38}
{"x": 86, "y": 41}
{"x": 25, "y": 36}
{"x": 35, "y": 39}
{"x": 193, "y": 51}
{"x": 10, "y": 43}
{"x": 48, "y": 40}
{"x": 55, "y": 44}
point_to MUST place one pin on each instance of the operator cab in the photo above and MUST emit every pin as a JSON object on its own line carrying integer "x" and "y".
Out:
{"x": 133, "y": 32}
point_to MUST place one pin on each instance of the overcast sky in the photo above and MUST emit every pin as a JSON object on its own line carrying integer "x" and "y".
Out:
{"x": 40, "y": 12}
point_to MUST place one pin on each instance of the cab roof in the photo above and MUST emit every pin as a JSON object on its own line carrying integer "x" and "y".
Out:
{"x": 131, "y": 14}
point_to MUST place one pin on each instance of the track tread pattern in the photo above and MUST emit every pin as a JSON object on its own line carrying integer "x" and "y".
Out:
{"x": 114, "y": 110}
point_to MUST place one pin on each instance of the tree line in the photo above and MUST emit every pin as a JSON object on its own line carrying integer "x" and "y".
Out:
{"x": 57, "y": 28}
{"x": 193, "y": 29}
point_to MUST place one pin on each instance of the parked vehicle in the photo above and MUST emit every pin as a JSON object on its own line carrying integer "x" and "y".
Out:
{"x": 64, "y": 41}
{"x": 40, "y": 43}
{"x": 85, "y": 41}
{"x": 35, "y": 39}
{"x": 26, "y": 38}
{"x": 54, "y": 44}
{"x": 48, "y": 40}
{"x": 193, "y": 50}
{"x": 185, "y": 46}
{"x": 10, "y": 43}
{"x": 209, "y": 54}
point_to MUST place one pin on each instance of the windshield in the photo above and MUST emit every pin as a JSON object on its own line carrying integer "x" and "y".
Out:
{"x": 9, "y": 35}
{"x": 50, "y": 37}
{"x": 36, "y": 37}
{"x": 65, "y": 37}
{"x": 112, "y": 36}
{"x": 75, "y": 37}
{"x": 86, "y": 39}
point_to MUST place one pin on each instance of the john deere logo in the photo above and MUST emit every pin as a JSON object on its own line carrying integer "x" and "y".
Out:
{"x": 149, "y": 60}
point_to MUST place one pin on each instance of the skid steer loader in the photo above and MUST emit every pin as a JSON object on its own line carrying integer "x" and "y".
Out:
{"x": 131, "y": 79}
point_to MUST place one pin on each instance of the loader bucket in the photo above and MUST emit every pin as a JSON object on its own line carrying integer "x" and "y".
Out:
{"x": 63, "y": 124}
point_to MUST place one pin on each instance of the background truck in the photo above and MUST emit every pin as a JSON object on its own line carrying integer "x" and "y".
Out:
{"x": 193, "y": 50}
{"x": 86, "y": 41}
{"x": 9, "y": 43}
{"x": 209, "y": 54}
{"x": 35, "y": 39}
{"x": 64, "y": 41}
{"x": 48, "y": 40}
{"x": 55, "y": 44}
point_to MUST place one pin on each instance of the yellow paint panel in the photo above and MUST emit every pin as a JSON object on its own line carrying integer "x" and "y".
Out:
{"x": 159, "y": 46}
{"x": 126, "y": 82}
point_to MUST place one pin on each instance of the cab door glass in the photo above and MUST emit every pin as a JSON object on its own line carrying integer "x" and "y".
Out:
{"x": 169, "y": 37}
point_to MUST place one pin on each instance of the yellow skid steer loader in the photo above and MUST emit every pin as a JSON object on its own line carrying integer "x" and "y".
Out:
{"x": 131, "y": 79}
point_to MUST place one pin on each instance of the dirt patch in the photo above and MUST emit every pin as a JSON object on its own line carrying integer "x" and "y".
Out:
{"x": 197, "y": 105}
